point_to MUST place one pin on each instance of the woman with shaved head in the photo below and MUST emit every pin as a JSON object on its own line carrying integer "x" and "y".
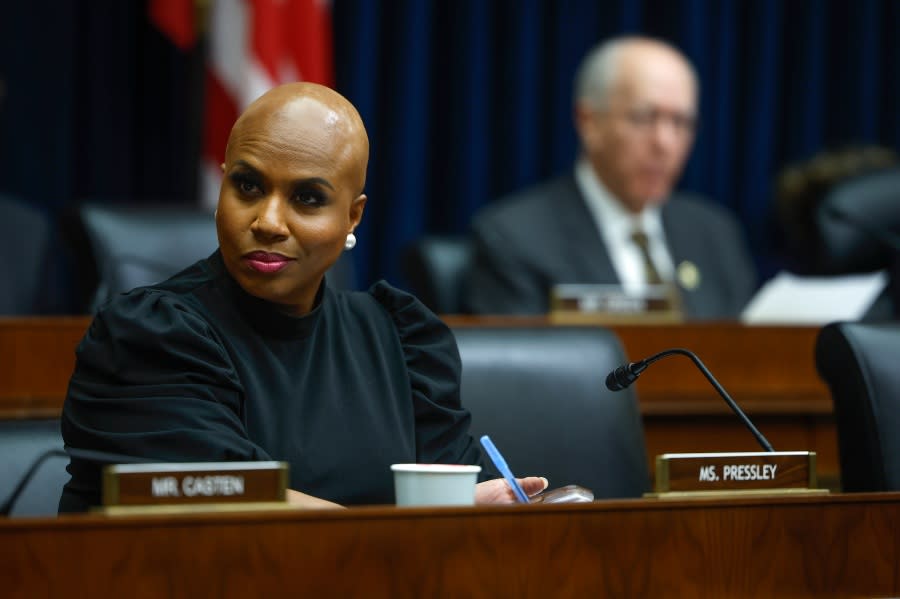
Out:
{"x": 250, "y": 355}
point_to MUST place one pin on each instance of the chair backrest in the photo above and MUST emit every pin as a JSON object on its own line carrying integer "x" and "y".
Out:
{"x": 25, "y": 235}
{"x": 858, "y": 223}
{"x": 140, "y": 245}
{"x": 540, "y": 393}
{"x": 125, "y": 246}
{"x": 859, "y": 362}
{"x": 22, "y": 444}
{"x": 435, "y": 267}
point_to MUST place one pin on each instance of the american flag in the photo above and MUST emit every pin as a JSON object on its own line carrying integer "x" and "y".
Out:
{"x": 253, "y": 45}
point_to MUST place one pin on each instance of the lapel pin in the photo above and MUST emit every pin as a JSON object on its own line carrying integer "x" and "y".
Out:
{"x": 688, "y": 275}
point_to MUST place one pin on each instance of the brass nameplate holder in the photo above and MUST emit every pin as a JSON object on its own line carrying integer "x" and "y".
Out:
{"x": 162, "y": 487}
{"x": 688, "y": 474}
{"x": 610, "y": 304}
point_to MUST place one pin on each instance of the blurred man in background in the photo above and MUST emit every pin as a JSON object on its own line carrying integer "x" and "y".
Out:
{"x": 614, "y": 219}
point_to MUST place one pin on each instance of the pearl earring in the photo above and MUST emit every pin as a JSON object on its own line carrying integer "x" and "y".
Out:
{"x": 351, "y": 241}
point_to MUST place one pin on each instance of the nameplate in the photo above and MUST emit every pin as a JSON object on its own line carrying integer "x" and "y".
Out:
{"x": 194, "y": 483}
{"x": 581, "y": 303}
{"x": 751, "y": 471}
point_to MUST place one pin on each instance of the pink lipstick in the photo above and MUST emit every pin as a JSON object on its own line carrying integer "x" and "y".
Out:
{"x": 266, "y": 262}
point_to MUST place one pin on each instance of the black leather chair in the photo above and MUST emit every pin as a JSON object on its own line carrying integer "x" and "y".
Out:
{"x": 858, "y": 223}
{"x": 540, "y": 393}
{"x": 858, "y": 230}
{"x": 122, "y": 246}
{"x": 859, "y": 362}
{"x": 22, "y": 445}
{"x": 24, "y": 257}
{"x": 435, "y": 267}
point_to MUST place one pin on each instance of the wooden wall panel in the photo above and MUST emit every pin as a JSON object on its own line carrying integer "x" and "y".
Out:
{"x": 37, "y": 356}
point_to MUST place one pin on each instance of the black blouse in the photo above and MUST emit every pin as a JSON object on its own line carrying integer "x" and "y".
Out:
{"x": 195, "y": 369}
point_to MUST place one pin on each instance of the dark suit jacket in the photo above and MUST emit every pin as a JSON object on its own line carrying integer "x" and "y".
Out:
{"x": 530, "y": 241}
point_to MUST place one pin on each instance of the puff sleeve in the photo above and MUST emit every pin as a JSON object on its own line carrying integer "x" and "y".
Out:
{"x": 153, "y": 381}
{"x": 434, "y": 367}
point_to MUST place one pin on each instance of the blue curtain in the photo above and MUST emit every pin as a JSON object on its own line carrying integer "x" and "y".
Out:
{"x": 467, "y": 100}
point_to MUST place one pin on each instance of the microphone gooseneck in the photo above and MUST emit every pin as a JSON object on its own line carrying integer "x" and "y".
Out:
{"x": 10, "y": 502}
{"x": 624, "y": 376}
{"x": 90, "y": 455}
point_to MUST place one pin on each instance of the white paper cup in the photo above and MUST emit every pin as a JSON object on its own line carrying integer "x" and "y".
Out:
{"x": 435, "y": 484}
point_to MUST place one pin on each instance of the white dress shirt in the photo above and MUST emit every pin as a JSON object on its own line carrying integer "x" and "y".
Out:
{"x": 616, "y": 224}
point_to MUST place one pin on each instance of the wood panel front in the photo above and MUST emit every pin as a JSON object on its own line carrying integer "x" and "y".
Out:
{"x": 769, "y": 371}
{"x": 833, "y": 546}
{"x": 37, "y": 356}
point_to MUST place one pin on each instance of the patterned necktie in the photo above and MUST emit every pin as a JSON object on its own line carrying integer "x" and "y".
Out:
{"x": 640, "y": 238}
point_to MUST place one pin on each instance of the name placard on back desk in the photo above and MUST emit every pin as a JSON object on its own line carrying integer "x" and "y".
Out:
{"x": 612, "y": 304}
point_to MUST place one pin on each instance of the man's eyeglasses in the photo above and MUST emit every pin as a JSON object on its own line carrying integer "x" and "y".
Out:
{"x": 648, "y": 119}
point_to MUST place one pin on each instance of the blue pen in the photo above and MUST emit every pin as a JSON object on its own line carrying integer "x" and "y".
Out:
{"x": 500, "y": 463}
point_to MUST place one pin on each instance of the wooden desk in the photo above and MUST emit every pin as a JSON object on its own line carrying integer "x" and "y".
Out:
{"x": 769, "y": 371}
{"x": 833, "y": 546}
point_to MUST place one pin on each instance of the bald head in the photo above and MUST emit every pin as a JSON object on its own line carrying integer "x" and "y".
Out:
{"x": 609, "y": 65}
{"x": 291, "y": 198}
{"x": 306, "y": 119}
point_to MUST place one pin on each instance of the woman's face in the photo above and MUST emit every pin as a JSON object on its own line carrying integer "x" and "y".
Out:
{"x": 290, "y": 196}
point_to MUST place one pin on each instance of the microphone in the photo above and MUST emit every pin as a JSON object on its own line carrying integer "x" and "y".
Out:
{"x": 625, "y": 375}
{"x": 7, "y": 506}
{"x": 90, "y": 455}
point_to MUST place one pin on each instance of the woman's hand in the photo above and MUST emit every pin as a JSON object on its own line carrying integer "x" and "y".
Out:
{"x": 498, "y": 491}
{"x": 309, "y": 502}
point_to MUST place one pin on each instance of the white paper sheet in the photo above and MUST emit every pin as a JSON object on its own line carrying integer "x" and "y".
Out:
{"x": 791, "y": 299}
